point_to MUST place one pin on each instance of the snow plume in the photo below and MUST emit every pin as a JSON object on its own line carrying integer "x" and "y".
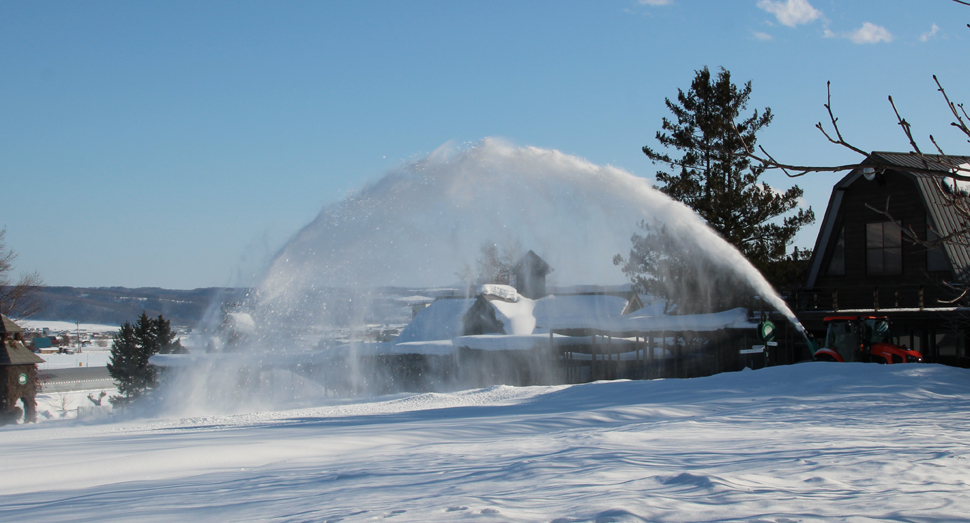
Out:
{"x": 423, "y": 221}
{"x": 419, "y": 224}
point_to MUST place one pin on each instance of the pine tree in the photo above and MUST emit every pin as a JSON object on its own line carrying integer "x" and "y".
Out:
{"x": 168, "y": 342}
{"x": 124, "y": 362}
{"x": 662, "y": 265}
{"x": 716, "y": 179}
{"x": 132, "y": 348}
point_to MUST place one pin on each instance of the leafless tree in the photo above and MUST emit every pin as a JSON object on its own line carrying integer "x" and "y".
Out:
{"x": 946, "y": 169}
{"x": 494, "y": 263}
{"x": 19, "y": 298}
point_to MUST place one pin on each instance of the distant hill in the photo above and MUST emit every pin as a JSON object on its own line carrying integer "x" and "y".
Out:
{"x": 115, "y": 305}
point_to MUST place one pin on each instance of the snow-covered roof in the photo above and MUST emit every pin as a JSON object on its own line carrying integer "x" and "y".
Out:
{"x": 517, "y": 317}
{"x": 731, "y": 319}
{"x": 506, "y": 292}
{"x": 580, "y": 309}
{"x": 521, "y": 316}
{"x": 492, "y": 342}
{"x": 416, "y": 299}
{"x": 442, "y": 320}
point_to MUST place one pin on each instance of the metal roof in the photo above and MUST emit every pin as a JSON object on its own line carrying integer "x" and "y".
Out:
{"x": 7, "y": 326}
{"x": 946, "y": 220}
{"x": 14, "y": 353}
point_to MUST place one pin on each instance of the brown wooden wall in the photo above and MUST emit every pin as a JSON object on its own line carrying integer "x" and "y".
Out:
{"x": 856, "y": 288}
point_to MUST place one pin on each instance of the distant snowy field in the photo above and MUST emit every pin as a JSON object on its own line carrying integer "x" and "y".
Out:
{"x": 87, "y": 358}
{"x": 61, "y": 326}
{"x": 810, "y": 442}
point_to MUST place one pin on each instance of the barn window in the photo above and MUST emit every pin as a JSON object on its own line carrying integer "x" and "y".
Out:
{"x": 837, "y": 263}
{"x": 884, "y": 248}
{"x": 936, "y": 257}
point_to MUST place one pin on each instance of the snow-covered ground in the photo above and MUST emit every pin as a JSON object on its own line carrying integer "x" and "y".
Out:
{"x": 87, "y": 358}
{"x": 808, "y": 442}
{"x": 70, "y": 326}
{"x": 56, "y": 406}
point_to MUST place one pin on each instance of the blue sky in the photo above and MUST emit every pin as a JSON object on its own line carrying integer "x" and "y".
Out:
{"x": 178, "y": 144}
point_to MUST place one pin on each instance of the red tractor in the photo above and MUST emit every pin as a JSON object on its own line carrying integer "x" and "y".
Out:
{"x": 862, "y": 338}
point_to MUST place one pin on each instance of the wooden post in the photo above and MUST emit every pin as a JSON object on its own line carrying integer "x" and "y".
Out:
{"x": 642, "y": 357}
{"x": 663, "y": 352}
{"x": 611, "y": 375}
{"x": 552, "y": 351}
{"x": 653, "y": 365}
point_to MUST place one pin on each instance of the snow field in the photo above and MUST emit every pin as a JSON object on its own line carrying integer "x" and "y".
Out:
{"x": 809, "y": 442}
{"x": 54, "y": 406}
{"x": 69, "y": 326}
{"x": 87, "y": 358}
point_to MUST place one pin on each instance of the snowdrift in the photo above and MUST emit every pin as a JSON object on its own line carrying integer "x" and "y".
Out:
{"x": 809, "y": 442}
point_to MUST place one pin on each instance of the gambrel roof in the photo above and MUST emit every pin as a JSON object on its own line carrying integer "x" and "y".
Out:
{"x": 944, "y": 217}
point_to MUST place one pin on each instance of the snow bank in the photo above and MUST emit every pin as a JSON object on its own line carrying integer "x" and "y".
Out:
{"x": 87, "y": 358}
{"x": 61, "y": 326}
{"x": 808, "y": 443}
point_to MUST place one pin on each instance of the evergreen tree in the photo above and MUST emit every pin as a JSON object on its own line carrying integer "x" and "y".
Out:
{"x": 713, "y": 175}
{"x": 167, "y": 339}
{"x": 124, "y": 363}
{"x": 132, "y": 348}
{"x": 660, "y": 264}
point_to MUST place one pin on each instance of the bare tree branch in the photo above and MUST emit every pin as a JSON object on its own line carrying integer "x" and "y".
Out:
{"x": 18, "y": 299}
{"x": 960, "y": 123}
{"x": 835, "y": 124}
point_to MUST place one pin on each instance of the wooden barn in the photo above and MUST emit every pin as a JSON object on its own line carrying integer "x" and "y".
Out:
{"x": 18, "y": 376}
{"x": 864, "y": 263}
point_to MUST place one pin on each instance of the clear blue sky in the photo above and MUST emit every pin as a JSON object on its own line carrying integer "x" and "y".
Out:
{"x": 178, "y": 144}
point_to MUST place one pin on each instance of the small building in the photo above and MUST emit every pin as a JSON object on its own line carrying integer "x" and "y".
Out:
{"x": 41, "y": 343}
{"x": 18, "y": 375}
{"x": 864, "y": 263}
{"x": 530, "y": 275}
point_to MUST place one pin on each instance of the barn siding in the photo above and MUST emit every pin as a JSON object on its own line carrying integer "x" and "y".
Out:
{"x": 857, "y": 288}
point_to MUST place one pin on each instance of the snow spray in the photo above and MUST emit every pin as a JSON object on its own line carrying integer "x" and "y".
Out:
{"x": 422, "y": 222}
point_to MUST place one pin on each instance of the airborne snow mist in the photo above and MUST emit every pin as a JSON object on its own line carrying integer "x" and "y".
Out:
{"x": 422, "y": 222}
